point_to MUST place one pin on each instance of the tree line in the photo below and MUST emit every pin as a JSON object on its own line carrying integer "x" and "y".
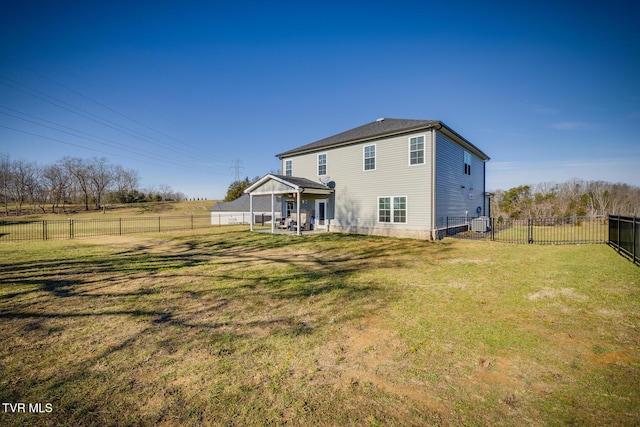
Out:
{"x": 26, "y": 187}
{"x": 572, "y": 198}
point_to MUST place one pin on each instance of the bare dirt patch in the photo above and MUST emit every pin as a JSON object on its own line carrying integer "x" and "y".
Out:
{"x": 569, "y": 293}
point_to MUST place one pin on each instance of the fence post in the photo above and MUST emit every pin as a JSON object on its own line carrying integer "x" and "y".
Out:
{"x": 192, "y": 222}
{"x": 492, "y": 222}
{"x": 529, "y": 231}
{"x": 44, "y": 229}
{"x": 158, "y": 224}
{"x": 618, "y": 239}
{"x": 635, "y": 221}
{"x": 70, "y": 228}
{"x": 120, "y": 225}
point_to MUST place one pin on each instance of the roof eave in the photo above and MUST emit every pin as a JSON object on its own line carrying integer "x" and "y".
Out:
{"x": 464, "y": 141}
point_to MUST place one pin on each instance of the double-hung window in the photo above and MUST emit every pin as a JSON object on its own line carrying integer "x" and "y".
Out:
{"x": 384, "y": 209}
{"x": 416, "y": 150}
{"x": 288, "y": 167}
{"x": 369, "y": 157}
{"x": 467, "y": 163}
{"x": 400, "y": 209}
{"x": 392, "y": 209}
{"x": 322, "y": 164}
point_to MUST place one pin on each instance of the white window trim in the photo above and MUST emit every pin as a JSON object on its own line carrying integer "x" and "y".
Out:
{"x": 392, "y": 222}
{"x": 326, "y": 164}
{"x": 378, "y": 209}
{"x": 375, "y": 157}
{"x": 290, "y": 162}
{"x": 464, "y": 159}
{"x": 424, "y": 150}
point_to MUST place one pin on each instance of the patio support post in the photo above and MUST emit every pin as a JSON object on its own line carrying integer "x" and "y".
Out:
{"x": 273, "y": 213}
{"x": 298, "y": 203}
{"x": 251, "y": 211}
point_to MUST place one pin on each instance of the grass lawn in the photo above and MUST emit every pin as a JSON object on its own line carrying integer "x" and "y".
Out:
{"x": 222, "y": 327}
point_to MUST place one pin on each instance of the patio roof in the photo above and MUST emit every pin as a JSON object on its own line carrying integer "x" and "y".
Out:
{"x": 280, "y": 184}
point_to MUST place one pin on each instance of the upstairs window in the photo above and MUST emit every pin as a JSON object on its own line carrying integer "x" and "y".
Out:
{"x": 288, "y": 167}
{"x": 370, "y": 157}
{"x": 467, "y": 163}
{"x": 416, "y": 150}
{"x": 322, "y": 164}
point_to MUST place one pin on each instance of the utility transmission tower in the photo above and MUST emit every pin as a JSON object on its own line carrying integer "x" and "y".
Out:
{"x": 237, "y": 166}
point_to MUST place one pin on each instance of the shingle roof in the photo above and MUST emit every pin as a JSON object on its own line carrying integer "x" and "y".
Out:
{"x": 371, "y": 130}
{"x": 241, "y": 204}
{"x": 301, "y": 182}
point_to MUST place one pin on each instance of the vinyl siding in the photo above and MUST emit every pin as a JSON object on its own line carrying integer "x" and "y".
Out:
{"x": 272, "y": 186}
{"x": 451, "y": 198}
{"x": 355, "y": 202}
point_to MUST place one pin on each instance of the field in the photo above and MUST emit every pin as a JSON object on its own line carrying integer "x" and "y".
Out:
{"x": 226, "y": 327}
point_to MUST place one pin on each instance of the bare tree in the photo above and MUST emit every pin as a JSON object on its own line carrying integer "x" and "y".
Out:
{"x": 100, "y": 178}
{"x": 125, "y": 182}
{"x": 36, "y": 191}
{"x": 57, "y": 181}
{"x": 80, "y": 172}
{"x": 21, "y": 182}
{"x": 165, "y": 192}
{"x": 5, "y": 181}
{"x": 544, "y": 200}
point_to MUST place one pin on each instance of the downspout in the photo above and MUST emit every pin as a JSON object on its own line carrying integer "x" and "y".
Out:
{"x": 434, "y": 137}
{"x": 484, "y": 189}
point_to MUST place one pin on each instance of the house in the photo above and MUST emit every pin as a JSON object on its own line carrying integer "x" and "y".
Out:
{"x": 394, "y": 177}
{"x": 238, "y": 211}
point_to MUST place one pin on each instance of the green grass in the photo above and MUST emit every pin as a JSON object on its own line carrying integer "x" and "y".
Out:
{"x": 217, "y": 327}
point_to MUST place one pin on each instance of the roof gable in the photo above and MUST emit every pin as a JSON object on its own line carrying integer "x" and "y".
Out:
{"x": 280, "y": 184}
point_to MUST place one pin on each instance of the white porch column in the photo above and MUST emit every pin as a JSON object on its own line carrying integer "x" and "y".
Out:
{"x": 251, "y": 211}
{"x": 298, "y": 203}
{"x": 273, "y": 213}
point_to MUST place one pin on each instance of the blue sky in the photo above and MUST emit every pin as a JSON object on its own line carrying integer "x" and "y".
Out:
{"x": 179, "y": 90}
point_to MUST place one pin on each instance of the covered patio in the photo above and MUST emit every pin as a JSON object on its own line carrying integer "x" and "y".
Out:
{"x": 295, "y": 192}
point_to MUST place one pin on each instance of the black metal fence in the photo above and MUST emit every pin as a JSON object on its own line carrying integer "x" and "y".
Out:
{"x": 550, "y": 231}
{"x": 89, "y": 227}
{"x": 624, "y": 236}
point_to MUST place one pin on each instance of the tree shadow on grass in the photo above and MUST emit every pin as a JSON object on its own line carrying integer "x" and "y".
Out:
{"x": 245, "y": 301}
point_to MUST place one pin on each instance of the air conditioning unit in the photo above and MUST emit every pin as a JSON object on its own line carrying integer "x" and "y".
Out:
{"x": 480, "y": 224}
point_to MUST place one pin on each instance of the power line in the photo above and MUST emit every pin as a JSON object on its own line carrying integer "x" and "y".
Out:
{"x": 186, "y": 168}
{"x": 109, "y": 143}
{"x": 97, "y": 119}
{"x": 109, "y": 108}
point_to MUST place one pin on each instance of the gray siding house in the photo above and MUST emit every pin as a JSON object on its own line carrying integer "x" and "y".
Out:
{"x": 394, "y": 177}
